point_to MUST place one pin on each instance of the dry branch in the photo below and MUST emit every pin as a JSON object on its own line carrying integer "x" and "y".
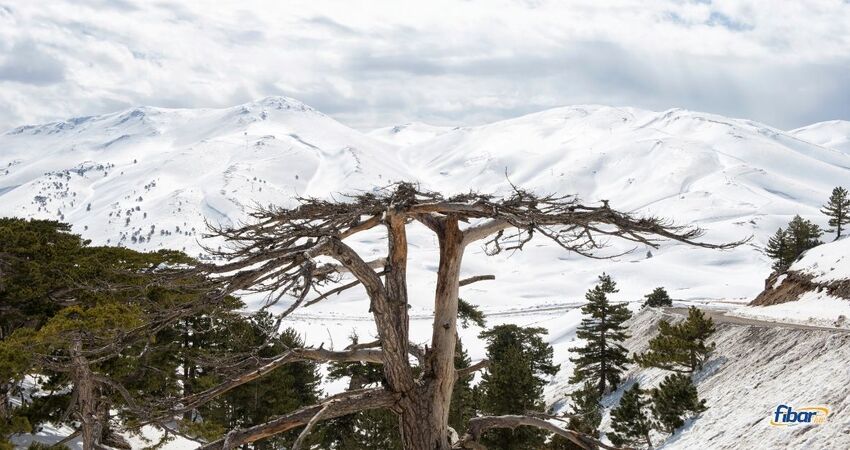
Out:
{"x": 342, "y": 404}
{"x": 478, "y": 425}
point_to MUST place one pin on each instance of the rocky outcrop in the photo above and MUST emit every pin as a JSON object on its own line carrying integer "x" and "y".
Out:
{"x": 790, "y": 285}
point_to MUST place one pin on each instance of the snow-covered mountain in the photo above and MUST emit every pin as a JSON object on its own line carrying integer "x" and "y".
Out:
{"x": 833, "y": 134}
{"x": 149, "y": 178}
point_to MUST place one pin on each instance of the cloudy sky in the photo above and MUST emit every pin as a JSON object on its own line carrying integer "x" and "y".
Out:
{"x": 377, "y": 63}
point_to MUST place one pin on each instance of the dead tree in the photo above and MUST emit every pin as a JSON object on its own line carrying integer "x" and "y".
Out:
{"x": 302, "y": 254}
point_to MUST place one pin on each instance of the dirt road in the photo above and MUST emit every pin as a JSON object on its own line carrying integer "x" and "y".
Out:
{"x": 720, "y": 316}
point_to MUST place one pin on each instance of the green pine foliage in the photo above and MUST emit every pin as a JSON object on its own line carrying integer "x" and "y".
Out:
{"x": 837, "y": 209}
{"x": 285, "y": 389}
{"x": 463, "y": 406}
{"x": 56, "y": 291}
{"x": 657, "y": 298}
{"x": 603, "y": 359}
{"x": 785, "y": 246}
{"x": 778, "y": 249}
{"x": 585, "y": 417}
{"x": 586, "y": 410}
{"x": 630, "y": 419}
{"x": 803, "y": 234}
{"x": 673, "y": 401}
{"x": 467, "y": 312}
{"x": 366, "y": 429}
{"x": 683, "y": 347}
{"x": 513, "y": 384}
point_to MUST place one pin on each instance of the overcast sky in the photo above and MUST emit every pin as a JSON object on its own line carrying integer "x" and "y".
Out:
{"x": 377, "y": 63}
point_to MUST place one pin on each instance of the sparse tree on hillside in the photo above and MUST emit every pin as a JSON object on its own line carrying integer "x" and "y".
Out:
{"x": 673, "y": 401}
{"x": 838, "y": 210}
{"x": 602, "y": 359}
{"x": 785, "y": 246}
{"x": 630, "y": 419}
{"x": 779, "y": 250}
{"x": 585, "y": 416}
{"x": 803, "y": 234}
{"x": 683, "y": 347}
{"x": 285, "y": 254}
{"x": 520, "y": 361}
{"x": 657, "y": 298}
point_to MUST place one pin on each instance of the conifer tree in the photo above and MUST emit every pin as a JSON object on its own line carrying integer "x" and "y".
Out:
{"x": 838, "y": 210}
{"x": 462, "y": 407}
{"x": 673, "y": 401}
{"x": 602, "y": 359}
{"x": 366, "y": 429}
{"x": 513, "y": 383}
{"x": 658, "y": 297}
{"x": 779, "y": 250}
{"x": 585, "y": 417}
{"x": 630, "y": 419}
{"x": 285, "y": 389}
{"x": 682, "y": 347}
{"x": 803, "y": 234}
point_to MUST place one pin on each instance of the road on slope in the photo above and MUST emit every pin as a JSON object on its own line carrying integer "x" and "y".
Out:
{"x": 719, "y": 316}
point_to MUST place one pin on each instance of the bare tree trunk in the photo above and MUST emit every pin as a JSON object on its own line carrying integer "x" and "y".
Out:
{"x": 84, "y": 383}
{"x": 427, "y": 428}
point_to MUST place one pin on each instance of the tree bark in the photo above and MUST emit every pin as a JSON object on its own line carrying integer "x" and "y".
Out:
{"x": 84, "y": 383}
{"x": 430, "y": 430}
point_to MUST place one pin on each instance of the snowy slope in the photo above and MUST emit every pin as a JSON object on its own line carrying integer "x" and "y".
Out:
{"x": 815, "y": 289}
{"x": 752, "y": 370}
{"x": 157, "y": 175}
{"x": 170, "y": 170}
{"x": 833, "y": 134}
{"x": 409, "y": 133}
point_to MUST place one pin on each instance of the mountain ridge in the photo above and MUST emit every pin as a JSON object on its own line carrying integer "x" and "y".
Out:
{"x": 150, "y": 178}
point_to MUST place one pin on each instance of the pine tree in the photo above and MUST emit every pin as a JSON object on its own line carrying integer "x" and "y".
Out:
{"x": 779, "y": 250}
{"x": 513, "y": 383}
{"x": 281, "y": 391}
{"x": 467, "y": 312}
{"x": 803, "y": 235}
{"x": 585, "y": 417}
{"x": 674, "y": 400}
{"x": 366, "y": 429}
{"x": 630, "y": 420}
{"x": 838, "y": 210}
{"x": 602, "y": 360}
{"x": 682, "y": 347}
{"x": 658, "y": 297}
{"x": 462, "y": 407}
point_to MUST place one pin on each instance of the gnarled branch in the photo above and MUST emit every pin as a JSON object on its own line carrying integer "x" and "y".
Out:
{"x": 478, "y": 425}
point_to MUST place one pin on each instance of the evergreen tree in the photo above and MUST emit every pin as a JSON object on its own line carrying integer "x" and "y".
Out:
{"x": 513, "y": 384}
{"x": 803, "y": 235}
{"x": 779, "y": 249}
{"x": 585, "y": 417}
{"x": 682, "y": 347}
{"x": 673, "y": 401}
{"x": 838, "y": 210}
{"x": 462, "y": 407}
{"x": 467, "y": 312}
{"x": 658, "y": 297}
{"x": 787, "y": 245}
{"x": 630, "y": 420}
{"x": 602, "y": 359}
{"x": 285, "y": 389}
{"x": 366, "y": 429}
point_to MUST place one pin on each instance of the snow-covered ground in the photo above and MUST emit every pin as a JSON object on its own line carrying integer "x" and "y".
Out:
{"x": 753, "y": 370}
{"x": 149, "y": 178}
{"x": 833, "y": 134}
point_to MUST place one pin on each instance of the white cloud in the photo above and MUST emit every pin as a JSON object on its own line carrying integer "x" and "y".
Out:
{"x": 372, "y": 63}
